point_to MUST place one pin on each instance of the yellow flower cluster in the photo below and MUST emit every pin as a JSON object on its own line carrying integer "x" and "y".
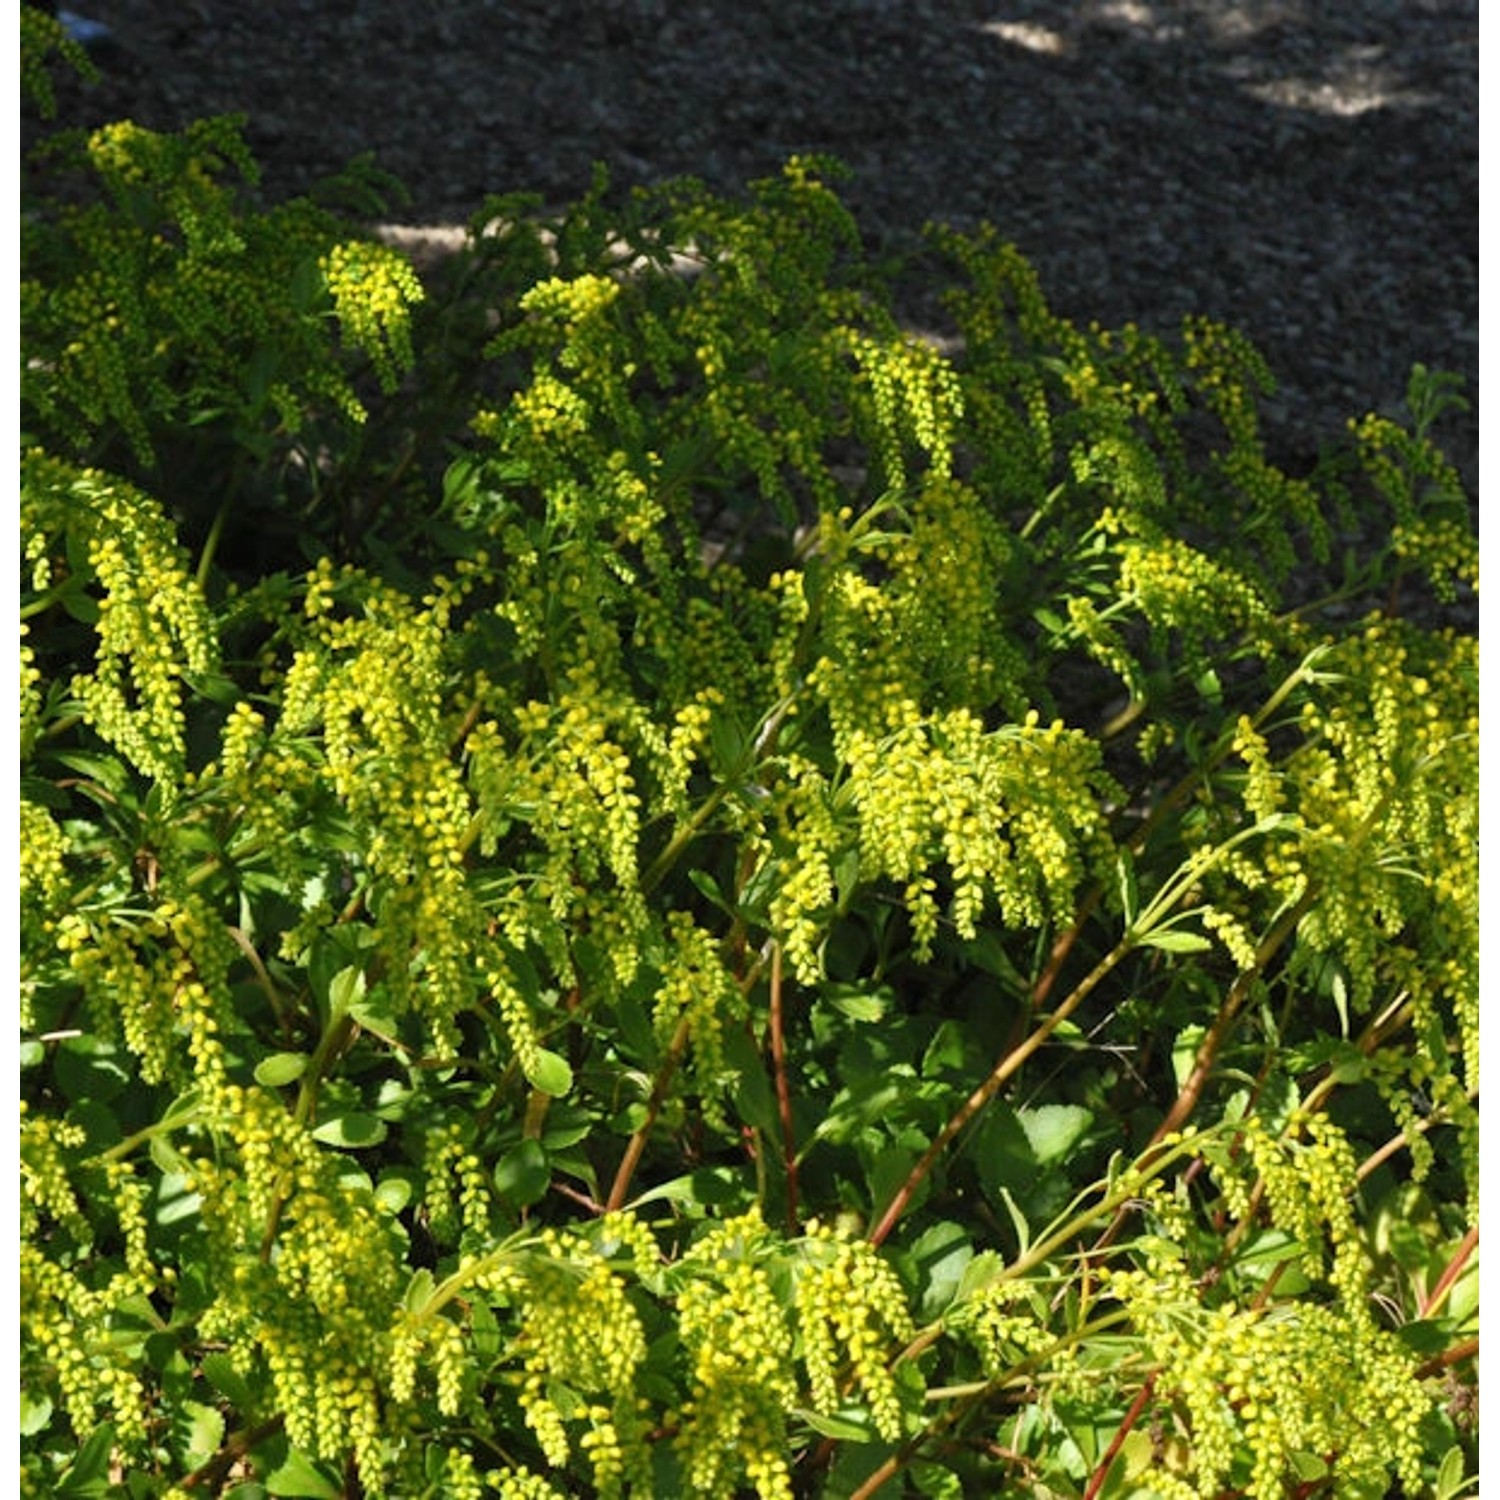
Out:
{"x": 153, "y": 984}
{"x": 44, "y": 849}
{"x": 154, "y": 628}
{"x": 1230, "y": 372}
{"x": 1388, "y": 783}
{"x": 1308, "y": 1186}
{"x": 45, "y": 1185}
{"x": 851, "y": 1308}
{"x": 740, "y": 1349}
{"x": 569, "y": 301}
{"x": 577, "y": 309}
{"x": 913, "y": 390}
{"x": 306, "y": 1269}
{"x": 377, "y": 684}
{"x": 1006, "y": 1325}
{"x": 578, "y": 1329}
{"x": 1242, "y": 1381}
{"x": 69, "y": 1324}
{"x": 452, "y": 1171}
{"x": 374, "y": 289}
{"x": 1179, "y": 588}
{"x": 522, "y": 1484}
{"x": 696, "y": 986}
{"x": 1445, "y": 549}
{"x": 66, "y": 1343}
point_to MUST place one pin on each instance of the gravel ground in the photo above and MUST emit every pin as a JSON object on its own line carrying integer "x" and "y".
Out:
{"x": 1305, "y": 169}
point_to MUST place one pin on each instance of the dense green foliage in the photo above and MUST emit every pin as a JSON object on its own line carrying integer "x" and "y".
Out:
{"x": 634, "y": 882}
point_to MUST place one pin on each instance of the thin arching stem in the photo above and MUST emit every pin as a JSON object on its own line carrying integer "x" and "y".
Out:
{"x": 783, "y": 1092}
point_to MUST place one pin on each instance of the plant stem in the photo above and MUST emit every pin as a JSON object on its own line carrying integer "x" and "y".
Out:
{"x": 637, "y": 1143}
{"x": 1208, "y": 1051}
{"x": 966, "y": 1398}
{"x": 783, "y": 1092}
{"x": 987, "y": 1090}
{"x": 1469, "y": 1349}
{"x": 211, "y": 543}
{"x": 1131, "y": 1417}
{"x": 668, "y": 1066}
{"x": 657, "y": 870}
{"x": 216, "y": 1470}
{"x": 1451, "y": 1272}
{"x": 121, "y": 1149}
{"x": 1399, "y": 1140}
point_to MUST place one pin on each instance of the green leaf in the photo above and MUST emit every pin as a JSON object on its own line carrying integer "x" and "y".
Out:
{"x": 225, "y": 1377}
{"x": 859, "y": 1005}
{"x": 1174, "y": 940}
{"x": 850, "y": 1424}
{"x": 35, "y": 1411}
{"x": 88, "y": 1474}
{"x": 707, "y": 1186}
{"x": 937, "y": 1482}
{"x": 87, "y": 1067}
{"x": 1185, "y": 1051}
{"x": 978, "y": 1274}
{"x": 868, "y": 1100}
{"x": 523, "y": 1174}
{"x": 550, "y": 1073}
{"x": 352, "y": 1131}
{"x": 753, "y": 1099}
{"x": 1002, "y": 1152}
{"x": 419, "y": 1290}
{"x": 942, "y": 1254}
{"x": 1425, "y": 1337}
{"x": 174, "y": 1201}
{"x": 375, "y": 1011}
{"x": 1018, "y": 1219}
{"x": 394, "y": 1190}
{"x": 202, "y": 1430}
{"x": 1450, "y": 1475}
{"x": 708, "y": 888}
{"x": 280, "y": 1069}
{"x": 301, "y": 1478}
{"x": 1308, "y": 1467}
{"x": 889, "y": 1173}
{"x": 1130, "y": 894}
{"x": 345, "y": 989}
{"x": 951, "y": 1050}
{"x": 484, "y": 1329}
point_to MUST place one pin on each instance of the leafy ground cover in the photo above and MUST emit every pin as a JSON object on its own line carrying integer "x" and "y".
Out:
{"x": 636, "y": 883}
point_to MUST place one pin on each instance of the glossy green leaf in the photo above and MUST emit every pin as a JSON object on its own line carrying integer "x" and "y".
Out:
{"x": 1175, "y": 940}
{"x": 1053, "y": 1130}
{"x": 351, "y": 1131}
{"x": 523, "y": 1174}
{"x": 301, "y": 1478}
{"x": 280, "y": 1069}
{"x": 549, "y": 1072}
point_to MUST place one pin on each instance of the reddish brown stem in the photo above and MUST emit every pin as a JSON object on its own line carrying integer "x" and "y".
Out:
{"x": 239, "y": 1444}
{"x": 1208, "y": 1053}
{"x": 1008, "y": 1065}
{"x": 637, "y": 1145}
{"x": 659, "y": 1087}
{"x": 1451, "y": 1272}
{"x": 1131, "y": 1417}
{"x": 1469, "y": 1349}
{"x": 783, "y": 1092}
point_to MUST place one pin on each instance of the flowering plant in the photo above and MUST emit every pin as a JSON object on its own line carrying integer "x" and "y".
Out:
{"x": 672, "y": 891}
